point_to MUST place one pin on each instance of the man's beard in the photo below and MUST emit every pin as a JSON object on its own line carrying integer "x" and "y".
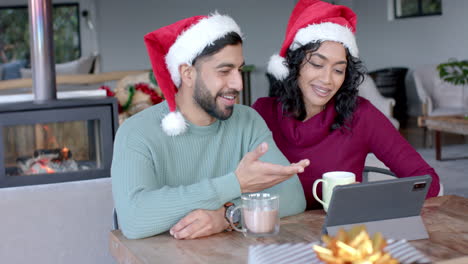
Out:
{"x": 208, "y": 102}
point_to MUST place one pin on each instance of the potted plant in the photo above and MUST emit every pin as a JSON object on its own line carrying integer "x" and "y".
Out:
{"x": 456, "y": 73}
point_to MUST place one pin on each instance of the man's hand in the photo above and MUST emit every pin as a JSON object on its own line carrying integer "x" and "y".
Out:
{"x": 255, "y": 175}
{"x": 200, "y": 223}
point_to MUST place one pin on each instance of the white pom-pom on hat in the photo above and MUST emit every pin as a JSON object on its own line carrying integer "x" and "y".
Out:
{"x": 174, "y": 124}
{"x": 277, "y": 67}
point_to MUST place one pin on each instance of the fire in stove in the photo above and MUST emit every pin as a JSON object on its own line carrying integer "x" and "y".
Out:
{"x": 58, "y": 141}
{"x": 49, "y": 161}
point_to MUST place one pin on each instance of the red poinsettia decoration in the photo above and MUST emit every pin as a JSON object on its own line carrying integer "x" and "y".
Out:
{"x": 142, "y": 87}
{"x": 154, "y": 96}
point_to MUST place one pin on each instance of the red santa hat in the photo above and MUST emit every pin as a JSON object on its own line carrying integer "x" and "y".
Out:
{"x": 177, "y": 44}
{"x": 314, "y": 20}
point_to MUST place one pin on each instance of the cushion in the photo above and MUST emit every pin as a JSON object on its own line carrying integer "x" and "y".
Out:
{"x": 446, "y": 94}
{"x": 11, "y": 70}
{"x": 80, "y": 66}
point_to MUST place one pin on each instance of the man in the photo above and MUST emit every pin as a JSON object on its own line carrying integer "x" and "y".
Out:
{"x": 181, "y": 164}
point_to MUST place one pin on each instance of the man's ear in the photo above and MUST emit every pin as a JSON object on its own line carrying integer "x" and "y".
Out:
{"x": 187, "y": 74}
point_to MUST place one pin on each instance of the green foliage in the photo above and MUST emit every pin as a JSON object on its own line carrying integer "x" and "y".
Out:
{"x": 454, "y": 72}
{"x": 66, "y": 33}
{"x": 152, "y": 78}
{"x": 248, "y": 68}
{"x": 14, "y": 33}
{"x": 431, "y": 6}
{"x": 409, "y": 8}
{"x": 412, "y": 8}
{"x": 14, "y": 36}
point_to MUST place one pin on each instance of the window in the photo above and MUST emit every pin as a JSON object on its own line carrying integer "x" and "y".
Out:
{"x": 414, "y": 8}
{"x": 14, "y": 35}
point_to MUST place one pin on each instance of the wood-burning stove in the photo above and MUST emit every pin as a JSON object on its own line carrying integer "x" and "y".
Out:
{"x": 49, "y": 140}
{"x": 57, "y": 141}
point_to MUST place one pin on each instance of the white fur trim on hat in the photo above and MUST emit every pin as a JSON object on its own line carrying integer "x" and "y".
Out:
{"x": 277, "y": 67}
{"x": 326, "y": 31}
{"x": 190, "y": 43}
{"x": 174, "y": 124}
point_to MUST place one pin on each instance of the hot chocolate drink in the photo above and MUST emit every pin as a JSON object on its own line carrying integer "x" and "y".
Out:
{"x": 260, "y": 215}
{"x": 258, "y": 221}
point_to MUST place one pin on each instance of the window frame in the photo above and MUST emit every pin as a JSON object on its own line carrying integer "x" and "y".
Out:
{"x": 420, "y": 13}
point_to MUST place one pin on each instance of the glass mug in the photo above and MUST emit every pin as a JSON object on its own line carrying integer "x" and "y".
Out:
{"x": 329, "y": 181}
{"x": 260, "y": 215}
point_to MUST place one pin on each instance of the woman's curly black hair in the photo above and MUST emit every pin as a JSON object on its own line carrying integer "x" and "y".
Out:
{"x": 290, "y": 95}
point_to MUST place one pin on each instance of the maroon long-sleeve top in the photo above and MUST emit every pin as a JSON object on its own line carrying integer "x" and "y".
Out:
{"x": 345, "y": 149}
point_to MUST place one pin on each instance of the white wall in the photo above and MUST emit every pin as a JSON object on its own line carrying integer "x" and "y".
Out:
{"x": 122, "y": 25}
{"x": 412, "y": 41}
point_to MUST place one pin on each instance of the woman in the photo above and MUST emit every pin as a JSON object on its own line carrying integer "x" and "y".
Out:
{"x": 318, "y": 114}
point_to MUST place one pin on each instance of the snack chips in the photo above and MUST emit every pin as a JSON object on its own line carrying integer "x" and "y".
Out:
{"x": 354, "y": 247}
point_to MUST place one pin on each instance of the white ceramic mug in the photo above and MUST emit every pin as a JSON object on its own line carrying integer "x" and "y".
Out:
{"x": 260, "y": 215}
{"x": 329, "y": 181}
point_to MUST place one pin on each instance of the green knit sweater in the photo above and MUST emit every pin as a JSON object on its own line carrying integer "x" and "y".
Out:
{"x": 158, "y": 179}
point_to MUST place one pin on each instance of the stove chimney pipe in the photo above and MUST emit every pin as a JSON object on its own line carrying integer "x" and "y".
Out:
{"x": 42, "y": 50}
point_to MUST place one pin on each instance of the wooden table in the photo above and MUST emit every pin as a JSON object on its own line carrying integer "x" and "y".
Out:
{"x": 446, "y": 219}
{"x": 456, "y": 124}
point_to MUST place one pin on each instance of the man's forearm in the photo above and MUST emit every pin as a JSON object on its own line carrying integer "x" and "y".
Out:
{"x": 147, "y": 212}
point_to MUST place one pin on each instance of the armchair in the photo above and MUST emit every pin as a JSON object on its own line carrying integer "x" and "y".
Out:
{"x": 369, "y": 90}
{"x": 437, "y": 97}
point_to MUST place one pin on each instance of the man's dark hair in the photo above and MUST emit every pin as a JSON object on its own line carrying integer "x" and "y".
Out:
{"x": 232, "y": 38}
{"x": 290, "y": 95}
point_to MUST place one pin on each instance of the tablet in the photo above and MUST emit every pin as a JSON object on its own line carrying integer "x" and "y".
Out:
{"x": 391, "y": 207}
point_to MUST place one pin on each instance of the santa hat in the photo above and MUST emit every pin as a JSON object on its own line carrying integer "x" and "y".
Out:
{"x": 314, "y": 20}
{"x": 177, "y": 44}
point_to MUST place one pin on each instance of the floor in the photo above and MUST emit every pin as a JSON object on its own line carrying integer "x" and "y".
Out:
{"x": 454, "y": 172}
